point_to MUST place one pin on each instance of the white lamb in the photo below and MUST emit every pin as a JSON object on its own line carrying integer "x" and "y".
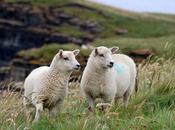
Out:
{"x": 108, "y": 76}
{"x": 46, "y": 87}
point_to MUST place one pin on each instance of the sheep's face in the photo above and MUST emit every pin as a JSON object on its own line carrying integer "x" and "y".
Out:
{"x": 103, "y": 56}
{"x": 67, "y": 60}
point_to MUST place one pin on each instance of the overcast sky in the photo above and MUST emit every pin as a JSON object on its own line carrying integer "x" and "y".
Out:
{"x": 160, "y": 6}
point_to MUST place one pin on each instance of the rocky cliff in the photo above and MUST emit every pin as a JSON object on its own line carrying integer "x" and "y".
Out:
{"x": 24, "y": 26}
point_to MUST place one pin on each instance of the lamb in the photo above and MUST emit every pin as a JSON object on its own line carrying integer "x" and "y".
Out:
{"x": 46, "y": 87}
{"x": 108, "y": 76}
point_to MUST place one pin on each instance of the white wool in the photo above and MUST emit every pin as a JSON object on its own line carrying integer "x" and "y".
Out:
{"x": 106, "y": 83}
{"x": 45, "y": 83}
{"x": 46, "y": 87}
{"x": 127, "y": 79}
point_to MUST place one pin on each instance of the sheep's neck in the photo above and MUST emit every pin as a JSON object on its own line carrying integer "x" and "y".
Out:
{"x": 58, "y": 77}
{"x": 98, "y": 69}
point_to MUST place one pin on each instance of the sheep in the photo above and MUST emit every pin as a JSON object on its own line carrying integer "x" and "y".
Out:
{"x": 108, "y": 76}
{"x": 46, "y": 87}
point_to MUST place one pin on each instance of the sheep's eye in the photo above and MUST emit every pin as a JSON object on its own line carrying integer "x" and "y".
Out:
{"x": 65, "y": 58}
{"x": 101, "y": 55}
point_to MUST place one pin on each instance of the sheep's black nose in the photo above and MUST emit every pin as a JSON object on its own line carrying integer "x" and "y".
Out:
{"x": 111, "y": 64}
{"x": 78, "y": 66}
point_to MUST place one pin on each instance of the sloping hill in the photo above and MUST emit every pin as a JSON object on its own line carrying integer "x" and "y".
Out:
{"x": 32, "y": 24}
{"x": 98, "y": 24}
{"x": 152, "y": 107}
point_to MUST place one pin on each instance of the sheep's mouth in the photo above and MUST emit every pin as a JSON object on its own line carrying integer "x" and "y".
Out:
{"x": 110, "y": 66}
{"x": 77, "y": 68}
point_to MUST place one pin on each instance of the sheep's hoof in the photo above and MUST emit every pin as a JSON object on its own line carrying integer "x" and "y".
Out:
{"x": 103, "y": 106}
{"x": 90, "y": 109}
{"x": 35, "y": 121}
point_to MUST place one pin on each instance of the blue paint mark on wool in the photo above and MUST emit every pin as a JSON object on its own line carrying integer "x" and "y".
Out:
{"x": 119, "y": 68}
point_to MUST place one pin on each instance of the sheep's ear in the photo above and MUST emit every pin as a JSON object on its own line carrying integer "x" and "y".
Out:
{"x": 76, "y": 52}
{"x": 114, "y": 49}
{"x": 96, "y": 51}
{"x": 60, "y": 53}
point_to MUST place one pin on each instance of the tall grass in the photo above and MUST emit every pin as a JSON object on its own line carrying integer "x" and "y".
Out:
{"x": 162, "y": 46}
{"x": 152, "y": 107}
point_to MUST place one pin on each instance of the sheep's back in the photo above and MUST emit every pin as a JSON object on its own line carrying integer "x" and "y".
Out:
{"x": 33, "y": 81}
{"x": 125, "y": 72}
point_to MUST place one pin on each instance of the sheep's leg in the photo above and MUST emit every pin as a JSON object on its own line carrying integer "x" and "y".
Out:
{"x": 54, "y": 110}
{"x": 116, "y": 99}
{"x": 91, "y": 103}
{"x": 39, "y": 109}
{"x": 127, "y": 94}
{"x": 27, "y": 111}
{"x": 126, "y": 98}
{"x": 107, "y": 102}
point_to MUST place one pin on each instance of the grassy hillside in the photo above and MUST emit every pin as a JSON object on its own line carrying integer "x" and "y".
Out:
{"x": 152, "y": 31}
{"x": 151, "y": 108}
{"x": 162, "y": 47}
{"x": 138, "y": 25}
{"x": 46, "y": 53}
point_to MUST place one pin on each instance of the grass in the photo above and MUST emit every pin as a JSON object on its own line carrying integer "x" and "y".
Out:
{"x": 144, "y": 31}
{"x": 71, "y": 31}
{"x": 45, "y": 2}
{"x": 162, "y": 46}
{"x": 46, "y": 53}
{"x": 152, "y": 107}
{"x": 138, "y": 26}
{"x": 144, "y": 28}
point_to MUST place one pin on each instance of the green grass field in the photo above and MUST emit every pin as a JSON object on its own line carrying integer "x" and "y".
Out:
{"x": 151, "y": 108}
{"x": 162, "y": 47}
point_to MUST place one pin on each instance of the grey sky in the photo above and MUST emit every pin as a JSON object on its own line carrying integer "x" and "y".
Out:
{"x": 160, "y": 6}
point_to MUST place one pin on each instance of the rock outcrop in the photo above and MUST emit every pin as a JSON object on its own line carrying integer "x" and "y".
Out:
{"x": 140, "y": 55}
{"x": 24, "y": 26}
